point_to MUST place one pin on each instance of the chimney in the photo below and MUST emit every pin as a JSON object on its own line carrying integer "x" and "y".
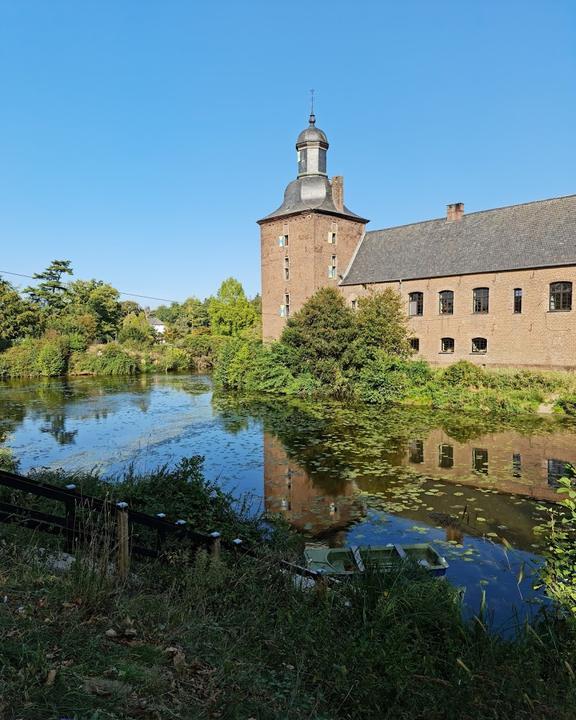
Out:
{"x": 454, "y": 212}
{"x": 338, "y": 192}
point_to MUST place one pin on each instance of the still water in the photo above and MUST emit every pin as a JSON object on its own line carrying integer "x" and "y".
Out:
{"x": 474, "y": 488}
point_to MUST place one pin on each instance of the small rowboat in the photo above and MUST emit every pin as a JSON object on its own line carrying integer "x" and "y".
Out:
{"x": 348, "y": 561}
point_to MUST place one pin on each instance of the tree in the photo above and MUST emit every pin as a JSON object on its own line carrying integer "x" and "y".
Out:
{"x": 18, "y": 317}
{"x": 381, "y": 324}
{"x": 136, "y": 330}
{"x": 129, "y": 306}
{"x": 231, "y": 313}
{"x": 51, "y": 294}
{"x": 319, "y": 334}
{"x": 99, "y": 299}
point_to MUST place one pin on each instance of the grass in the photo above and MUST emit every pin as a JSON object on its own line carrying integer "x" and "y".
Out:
{"x": 198, "y": 637}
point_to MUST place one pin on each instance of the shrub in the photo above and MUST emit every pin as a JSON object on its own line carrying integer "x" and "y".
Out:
{"x": 108, "y": 359}
{"x": 52, "y": 358}
{"x": 567, "y": 403}
{"x": 382, "y": 380}
{"x": 171, "y": 359}
{"x": 463, "y": 373}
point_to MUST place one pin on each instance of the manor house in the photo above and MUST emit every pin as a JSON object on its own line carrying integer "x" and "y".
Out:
{"x": 494, "y": 287}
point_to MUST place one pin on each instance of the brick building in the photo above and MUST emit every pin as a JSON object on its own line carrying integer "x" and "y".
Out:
{"x": 494, "y": 287}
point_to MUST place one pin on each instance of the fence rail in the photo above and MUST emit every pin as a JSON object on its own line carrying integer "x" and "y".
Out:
{"x": 73, "y": 527}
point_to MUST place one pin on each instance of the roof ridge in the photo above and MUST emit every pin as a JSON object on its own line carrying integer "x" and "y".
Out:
{"x": 476, "y": 212}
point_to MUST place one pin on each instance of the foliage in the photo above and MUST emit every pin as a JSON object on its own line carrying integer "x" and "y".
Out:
{"x": 136, "y": 330}
{"x": 318, "y": 335}
{"x": 231, "y": 313}
{"x": 236, "y": 637}
{"x": 171, "y": 359}
{"x": 559, "y": 574}
{"x": 381, "y": 324}
{"x": 110, "y": 359}
{"x": 99, "y": 300}
{"x": 18, "y": 317}
{"x": 51, "y": 294}
{"x": 47, "y": 357}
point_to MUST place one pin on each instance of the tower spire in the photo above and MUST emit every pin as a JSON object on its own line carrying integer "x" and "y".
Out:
{"x": 312, "y": 118}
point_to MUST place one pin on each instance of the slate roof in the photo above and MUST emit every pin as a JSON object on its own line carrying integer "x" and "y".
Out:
{"x": 310, "y": 192}
{"x": 531, "y": 235}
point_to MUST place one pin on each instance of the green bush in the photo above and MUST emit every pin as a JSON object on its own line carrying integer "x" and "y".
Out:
{"x": 108, "y": 359}
{"x": 567, "y": 403}
{"x": 171, "y": 359}
{"x": 52, "y": 358}
{"x": 47, "y": 357}
{"x": 463, "y": 373}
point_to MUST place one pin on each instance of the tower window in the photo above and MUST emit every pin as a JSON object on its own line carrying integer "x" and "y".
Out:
{"x": 517, "y": 300}
{"x": 415, "y": 344}
{"x": 283, "y": 240}
{"x": 447, "y": 345}
{"x": 354, "y": 304}
{"x": 416, "y": 303}
{"x": 332, "y": 267}
{"x": 560, "y": 296}
{"x": 286, "y": 268}
{"x": 479, "y": 345}
{"x": 332, "y": 238}
{"x": 480, "y": 300}
{"x": 446, "y": 302}
{"x": 287, "y": 304}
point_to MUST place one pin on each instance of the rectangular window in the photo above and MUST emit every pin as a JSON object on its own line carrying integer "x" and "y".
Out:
{"x": 282, "y": 312}
{"x": 446, "y": 456}
{"x": 558, "y": 469}
{"x": 416, "y": 304}
{"x": 446, "y": 302}
{"x": 332, "y": 267}
{"x": 479, "y": 345}
{"x": 332, "y": 238}
{"x": 480, "y": 460}
{"x": 416, "y": 451}
{"x": 447, "y": 345}
{"x": 286, "y": 268}
{"x": 283, "y": 240}
{"x": 560, "y": 296}
{"x": 480, "y": 297}
{"x": 415, "y": 344}
{"x": 517, "y": 300}
{"x": 354, "y": 304}
{"x": 287, "y": 305}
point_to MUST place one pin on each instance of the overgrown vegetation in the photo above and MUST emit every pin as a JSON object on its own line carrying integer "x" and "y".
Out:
{"x": 327, "y": 350}
{"x": 198, "y": 637}
{"x": 82, "y": 328}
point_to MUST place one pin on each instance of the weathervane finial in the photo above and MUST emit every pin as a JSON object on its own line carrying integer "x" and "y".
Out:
{"x": 312, "y": 118}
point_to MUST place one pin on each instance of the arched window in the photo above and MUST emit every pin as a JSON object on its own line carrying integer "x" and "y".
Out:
{"x": 560, "y": 296}
{"x": 479, "y": 345}
{"x": 447, "y": 345}
{"x": 416, "y": 303}
{"x": 446, "y": 306}
{"x": 480, "y": 300}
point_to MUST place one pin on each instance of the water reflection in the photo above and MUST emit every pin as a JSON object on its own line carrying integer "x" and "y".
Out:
{"x": 320, "y": 510}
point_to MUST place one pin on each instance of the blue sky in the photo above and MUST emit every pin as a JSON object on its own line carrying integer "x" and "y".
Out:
{"x": 142, "y": 139}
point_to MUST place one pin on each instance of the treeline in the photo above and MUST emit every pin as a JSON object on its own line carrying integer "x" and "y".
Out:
{"x": 82, "y": 327}
{"x": 328, "y": 349}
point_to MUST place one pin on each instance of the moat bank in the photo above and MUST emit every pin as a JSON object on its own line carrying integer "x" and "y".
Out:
{"x": 475, "y": 487}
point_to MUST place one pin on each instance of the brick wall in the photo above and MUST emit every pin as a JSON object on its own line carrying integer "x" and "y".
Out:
{"x": 534, "y": 338}
{"x": 309, "y": 253}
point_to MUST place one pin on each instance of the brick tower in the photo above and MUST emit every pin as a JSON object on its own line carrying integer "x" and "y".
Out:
{"x": 308, "y": 242}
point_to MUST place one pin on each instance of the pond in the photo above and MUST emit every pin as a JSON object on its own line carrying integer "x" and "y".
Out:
{"x": 475, "y": 488}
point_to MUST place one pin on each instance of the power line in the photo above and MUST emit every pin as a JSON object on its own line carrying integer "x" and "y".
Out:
{"x": 120, "y": 292}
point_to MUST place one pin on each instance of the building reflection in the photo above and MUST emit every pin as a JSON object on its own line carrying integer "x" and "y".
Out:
{"x": 319, "y": 509}
{"x": 528, "y": 465}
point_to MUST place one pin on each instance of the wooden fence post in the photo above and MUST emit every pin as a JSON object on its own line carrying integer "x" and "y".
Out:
{"x": 215, "y": 545}
{"x": 123, "y": 538}
{"x": 70, "y": 520}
